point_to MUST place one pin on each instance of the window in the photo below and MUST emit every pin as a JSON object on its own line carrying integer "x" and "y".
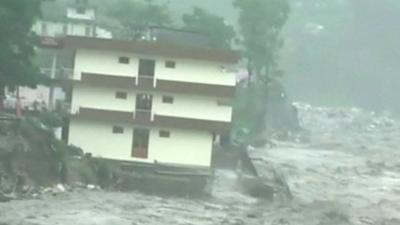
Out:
{"x": 170, "y": 64}
{"x": 121, "y": 95}
{"x": 167, "y": 99}
{"x": 80, "y": 10}
{"x": 118, "y": 130}
{"x": 124, "y": 60}
{"x": 164, "y": 134}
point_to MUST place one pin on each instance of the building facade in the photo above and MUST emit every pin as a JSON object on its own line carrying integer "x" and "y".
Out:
{"x": 150, "y": 101}
{"x": 79, "y": 19}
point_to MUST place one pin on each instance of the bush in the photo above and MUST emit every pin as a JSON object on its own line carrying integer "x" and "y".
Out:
{"x": 51, "y": 119}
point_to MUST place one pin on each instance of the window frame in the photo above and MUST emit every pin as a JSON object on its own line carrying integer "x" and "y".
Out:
{"x": 164, "y": 134}
{"x": 124, "y": 60}
{"x": 170, "y": 64}
{"x": 118, "y": 129}
{"x": 123, "y": 93}
{"x": 167, "y": 99}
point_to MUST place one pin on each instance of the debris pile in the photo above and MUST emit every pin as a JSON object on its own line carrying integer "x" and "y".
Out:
{"x": 349, "y": 128}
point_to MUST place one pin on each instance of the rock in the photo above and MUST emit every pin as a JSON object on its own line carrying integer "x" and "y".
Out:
{"x": 61, "y": 188}
{"x": 92, "y": 187}
{"x": 6, "y": 198}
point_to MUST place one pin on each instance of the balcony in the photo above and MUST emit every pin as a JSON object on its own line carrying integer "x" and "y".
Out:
{"x": 145, "y": 82}
{"x": 142, "y": 116}
{"x": 149, "y": 83}
{"x": 145, "y": 118}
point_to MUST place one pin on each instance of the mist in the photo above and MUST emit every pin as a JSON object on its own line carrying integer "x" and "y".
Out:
{"x": 344, "y": 53}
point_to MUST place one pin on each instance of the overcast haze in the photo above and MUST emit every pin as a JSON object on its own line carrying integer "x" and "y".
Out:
{"x": 337, "y": 52}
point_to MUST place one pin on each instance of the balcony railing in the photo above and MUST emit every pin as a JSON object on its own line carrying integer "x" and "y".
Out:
{"x": 146, "y": 81}
{"x": 142, "y": 115}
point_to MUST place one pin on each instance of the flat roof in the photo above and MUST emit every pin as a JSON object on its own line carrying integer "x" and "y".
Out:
{"x": 158, "y": 48}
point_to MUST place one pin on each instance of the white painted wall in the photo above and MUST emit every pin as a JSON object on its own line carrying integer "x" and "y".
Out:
{"x": 185, "y": 106}
{"x": 103, "y": 62}
{"x": 101, "y": 98}
{"x": 98, "y": 139}
{"x": 192, "y": 106}
{"x": 183, "y": 147}
{"x": 197, "y": 71}
{"x": 55, "y": 29}
{"x": 89, "y": 14}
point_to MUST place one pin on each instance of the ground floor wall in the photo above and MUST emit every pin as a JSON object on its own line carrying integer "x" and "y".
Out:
{"x": 186, "y": 147}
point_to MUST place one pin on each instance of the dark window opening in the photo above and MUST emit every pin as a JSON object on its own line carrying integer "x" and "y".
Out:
{"x": 167, "y": 99}
{"x": 124, "y": 60}
{"x": 80, "y": 10}
{"x": 170, "y": 64}
{"x": 164, "y": 134}
{"x": 147, "y": 67}
{"x": 121, "y": 95}
{"x": 118, "y": 130}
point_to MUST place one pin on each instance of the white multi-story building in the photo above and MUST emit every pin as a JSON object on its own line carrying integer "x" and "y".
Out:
{"x": 150, "y": 101}
{"x": 78, "y": 20}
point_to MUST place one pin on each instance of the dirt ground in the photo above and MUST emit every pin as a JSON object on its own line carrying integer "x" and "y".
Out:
{"x": 348, "y": 174}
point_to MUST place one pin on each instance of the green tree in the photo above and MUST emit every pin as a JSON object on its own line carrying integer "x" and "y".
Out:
{"x": 134, "y": 16}
{"x": 261, "y": 22}
{"x": 218, "y": 31}
{"x": 17, "y": 44}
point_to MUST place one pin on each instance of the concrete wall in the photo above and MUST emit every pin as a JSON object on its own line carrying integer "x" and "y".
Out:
{"x": 187, "y": 147}
{"x": 98, "y": 139}
{"x": 101, "y": 98}
{"x": 55, "y": 29}
{"x": 195, "y": 71}
{"x": 192, "y": 106}
{"x": 185, "y": 106}
{"x": 106, "y": 62}
{"x": 182, "y": 147}
{"x": 97, "y": 61}
{"x": 88, "y": 15}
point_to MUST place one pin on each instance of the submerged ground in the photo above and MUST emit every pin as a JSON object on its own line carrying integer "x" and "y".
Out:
{"x": 348, "y": 174}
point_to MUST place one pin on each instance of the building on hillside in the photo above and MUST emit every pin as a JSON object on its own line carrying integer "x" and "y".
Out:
{"x": 148, "y": 101}
{"x": 79, "y": 19}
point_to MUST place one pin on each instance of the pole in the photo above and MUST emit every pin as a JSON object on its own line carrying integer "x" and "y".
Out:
{"x": 52, "y": 76}
{"x": 18, "y": 104}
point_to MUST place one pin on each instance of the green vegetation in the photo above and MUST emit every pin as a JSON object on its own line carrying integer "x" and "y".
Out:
{"x": 134, "y": 17}
{"x": 261, "y": 22}
{"x": 17, "y": 43}
{"x": 221, "y": 35}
